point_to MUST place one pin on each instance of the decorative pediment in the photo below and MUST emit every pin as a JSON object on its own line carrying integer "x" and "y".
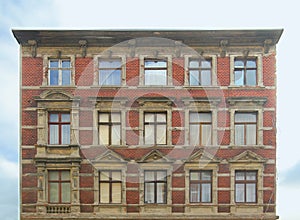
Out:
{"x": 104, "y": 101}
{"x": 109, "y": 156}
{"x": 158, "y": 101}
{"x": 248, "y": 157}
{"x": 56, "y": 95}
{"x": 202, "y": 157}
{"x": 154, "y": 156}
{"x": 200, "y": 101}
{"x": 258, "y": 101}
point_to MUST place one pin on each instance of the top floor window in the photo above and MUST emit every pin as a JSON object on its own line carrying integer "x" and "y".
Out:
{"x": 200, "y": 72}
{"x": 245, "y": 72}
{"x": 155, "y": 72}
{"x": 59, "y": 72}
{"x": 110, "y": 72}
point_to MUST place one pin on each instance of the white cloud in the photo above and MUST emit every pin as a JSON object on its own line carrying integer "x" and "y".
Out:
{"x": 8, "y": 168}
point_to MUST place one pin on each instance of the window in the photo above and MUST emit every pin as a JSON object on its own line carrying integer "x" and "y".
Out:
{"x": 155, "y": 128}
{"x": 59, "y": 186}
{"x": 110, "y": 185}
{"x": 110, "y": 128}
{"x": 59, "y": 128}
{"x": 110, "y": 71}
{"x": 245, "y": 186}
{"x": 200, "y": 72}
{"x": 245, "y": 128}
{"x": 59, "y": 72}
{"x": 200, "y": 186}
{"x": 245, "y": 72}
{"x": 155, "y": 72}
{"x": 200, "y": 128}
{"x": 155, "y": 187}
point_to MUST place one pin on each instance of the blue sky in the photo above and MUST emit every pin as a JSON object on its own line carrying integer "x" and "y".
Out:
{"x": 197, "y": 14}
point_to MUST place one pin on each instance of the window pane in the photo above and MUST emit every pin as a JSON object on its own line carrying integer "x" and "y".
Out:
{"x": 155, "y": 63}
{"x": 239, "y": 135}
{"x": 53, "y": 136}
{"x": 206, "y": 135}
{"x": 115, "y": 117}
{"x": 251, "y": 134}
{"x": 194, "y": 64}
{"x": 161, "y": 117}
{"x": 238, "y": 64}
{"x": 239, "y": 175}
{"x": 149, "y": 134}
{"x": 251, "y": 63}
{"x": 161, "y": 193}
{"x": 206, "y": 175}
{"x": 110, "y": 77}
{"x": 53, "y": 117}
{"x": 206, "y": 64}
{"x": 53, "y": 175}
{"x": 206, "y": 192}
{"x": 251, "y": 175}
{"x": 149, "y": 176}
{"x": 161, "y": 136}
{"x": 251, "y": 77}
{"x": 245, "y": 117}
{"x": 195, "y": 193}
{"x": 116, "y": 175}
{"x": 149, "y": 117}
{"x": 194, "y": 117}
{"x": 195, "y": 175}
{"x": 53, "y": 63}
{"x": 104, "y": 117}
{"x": 66, "y": 64}
{"x": 65, "y": 175}
{"x": 115, "y": 135}
{"x": 65, "y": 136}
{"x": 251, "y": 192}
{"x": 205, "y": 77}
{"x": 194, "y": 78}
{"x": 53, "y": 193}
{"x": 65, "y": 117}
{"x": 53, "y": 77}
{"x": 65, "y": 193}
{"x": 161, "y": 175}
{"x": 155, "y": 77}
{"x": 116, "y": 192}
{"x": 149, "y": 193}
{"x": 239, "y": 193}
{"x": 113, "y": 63}
{"x": 239, "y": 77}
{"x": 104, "y": 192}
{"x": 104, "y": 134}
{"x": 195, "y": 134}
{"x": 200, "y": 117}
{"x": 104, "y": 176}
{"x": 66, "y": 77}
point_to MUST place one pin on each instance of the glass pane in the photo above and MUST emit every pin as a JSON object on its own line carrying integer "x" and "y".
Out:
{"x": 53, "y": 77}
{"x": 251, "y": 175}
{"x": 251, "y": 77}
{"x": 205, "y": 77}
{"x": 239, "y": 175}
{"x": 245, "y": 117}
{"x": 104, "y": 134}
{"x": 104, "y": 117}
{"x": 206, "y": 175}
{"x": 65, "y": 193}
{"x": 195, "y": 175}
{"x": 155, "y": 63}
{"x": 104, "y": 192}
{"x": 161, "y": 117}
{"x": 239, "y": 77}
{"x": 194, "y": 117}
{"x": 66, "y": 64}
{"x": 116, "y": 175}
{"x": 194, "y": 134}
{"x": 53, "y": 117}
{"x": 149, "y": 134}
{"x": 53, "y": 136}
{"x": 239, "y": 193}
{"x": 65, "y": 175}
{"x": 206, "y": 192}
{"x": 66, "y": 77}
{"x": 116, "y": 135}
{"x": 251, "y": 134}
{"x": 116, "y": 192}
{"x": 206, "y": 64}
{"x": 65, "y": 117}
{"x": 110, "y": 77}
{"x": 155, "y": 77}
{"x": 104, "y": 176}
{"x": 53, "y": 175}
{"x": 161, "y": 193}
{"x": 195, "y": 193}
{"x": 161, "y": 175}
{"x": 161, "y": 134}
{"x": 113, "y": 63}
{"x": 115, "y": 117}
{"x": 251, "y": 192}
{"x": 251, "y": 63}
{"x": 194, "y": 78}
{"x": 53, "y": 193}
{"x": 239, "y": 135}
{"x": 149, "y": 117}
{"x": 194, "y": 64}
{"x": 206, "y": 135}
{"x": 65, "y": 135}
{"x": 239, "y": 64}
{"x": 53, "y": 63}
{"x": 149, "y": 176}
{"x": 149, "y": 193}
{"x": 205, "y": 117}
{"x": 115, "y": 78}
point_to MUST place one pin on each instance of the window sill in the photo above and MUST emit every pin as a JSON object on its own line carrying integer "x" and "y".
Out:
{"x": 246, "y": 87}
{"x": 201, "y": 87}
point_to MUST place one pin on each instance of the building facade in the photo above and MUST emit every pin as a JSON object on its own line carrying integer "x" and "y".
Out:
{"x": 148, "y": 124}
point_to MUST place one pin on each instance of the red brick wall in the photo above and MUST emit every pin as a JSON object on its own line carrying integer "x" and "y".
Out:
{"x": 223, "y": 71}
{"x": 32, "y": 71}
{"x": 84, "y": 71}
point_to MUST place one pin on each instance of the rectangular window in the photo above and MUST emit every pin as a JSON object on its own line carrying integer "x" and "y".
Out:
{"x": 200, "y": 186}
{"x": 246, "y": 186}
{"x": 200, "y": 128}
{"x": 245, "y": 128}
{"x": 155, "y": 128}
{"x": 110, "y": 72}
{"x": 59, "y": 186}
{"x": 110, "y": 186}
{"x": 59, "y": 128}
{"x": 110, "y": 128}
{"x": 245, "y": 72}
{"x": 155, "y": 72}
{"x": 155, "y": 187}
{"x": 59, "y": 72}
{"x": 200, "y": 72}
